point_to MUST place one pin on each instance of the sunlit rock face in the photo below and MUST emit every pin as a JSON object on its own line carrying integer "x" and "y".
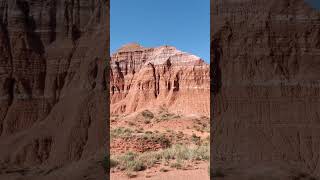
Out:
{"x": 162, "y": 76}
{"x": 266, "y": 62}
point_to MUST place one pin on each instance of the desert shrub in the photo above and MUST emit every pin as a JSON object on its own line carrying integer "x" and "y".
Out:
{"x": 168, "y": 154}
{"x": 180, "y": 153}
{"x": 202, "y": 153}
{"x": 130, "y": 162}
{"x": 147, "y": 121}
{"x": 157, "y": 138}
{"x": 149, "y": 158}
{"x": 202, "y": 127}
{"x": 186, "y": 153}
{"x": 195, "y": 139}
{"x": 206, "y": 141}
{"x": 135, "y": 165}
{"x": 147, "y": 114}
{"x": 178, "y": 164}
{"x": 131, "y": 123}
{"x": 167, "y": 116}
{"x": 129, "y": 156}
{"x": 131, "y": 174}
{"x": 121, "y": 133}
{"x": 140, "y": 130}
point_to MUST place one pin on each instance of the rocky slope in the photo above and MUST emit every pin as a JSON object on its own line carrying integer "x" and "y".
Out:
{"x": 144, "y": 78}
{"x": 265, "y": 57}
{"x": 53, "y": 104}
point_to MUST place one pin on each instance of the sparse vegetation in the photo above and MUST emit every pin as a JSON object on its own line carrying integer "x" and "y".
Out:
{"x": 147, "y": 114}
{"x": 195, "y": 139}
{"x": 177, "y": 165}
{"x": 206, "y": 141}
{"x": 201, "y": 126}
{"x": 130, "y": 162}
{"x": 131, "y": 174}
{"x": 121, "y": 133}
{"x": 164, "y": 115}
{"x": 167, "y": 148}
{"x": 147, "y": 121}
{"x": 148, "y": 136}
{"x": 140, "y": 130}
{"x": 156, "y": 137}
{"x": 167, "y": 116}
{"x": 113, "y": 163}
{"x": 131, "y": 123}
{"x": 178, "y": 153}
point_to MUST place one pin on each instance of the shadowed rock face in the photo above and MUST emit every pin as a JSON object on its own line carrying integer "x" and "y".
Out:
{"x": 266, "y": 83}
{"x": 53, "y": 95}
{"x": 144, "y": 78}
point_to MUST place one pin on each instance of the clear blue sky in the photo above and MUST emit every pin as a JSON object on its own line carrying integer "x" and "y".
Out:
{"x": 314, "y": 3}
{"x": 184, "y": 24}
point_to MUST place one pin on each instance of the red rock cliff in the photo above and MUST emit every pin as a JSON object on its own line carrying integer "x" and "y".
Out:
{"x": 152, "y": 77}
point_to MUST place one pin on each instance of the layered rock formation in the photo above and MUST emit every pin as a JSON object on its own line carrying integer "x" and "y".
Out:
{"x": 144, "y": 78}
{"x": 266, "y": 87}
{"x": 53, "y": 104}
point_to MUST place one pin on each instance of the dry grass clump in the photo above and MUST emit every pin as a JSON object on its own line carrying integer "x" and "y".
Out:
{"x": 121, "y": 132}
{"x": 177, "y": 153}
{"x": 129, "y": 162}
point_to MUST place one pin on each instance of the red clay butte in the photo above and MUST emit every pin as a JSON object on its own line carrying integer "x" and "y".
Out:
{"x": 146, "y": 78}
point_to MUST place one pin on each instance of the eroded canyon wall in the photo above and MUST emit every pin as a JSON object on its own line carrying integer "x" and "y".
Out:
{"x": 53, "y": 96}
{"x": 265, "y": 63}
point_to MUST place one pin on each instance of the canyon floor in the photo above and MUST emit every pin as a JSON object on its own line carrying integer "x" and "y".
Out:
{"x": 157, "y": 144}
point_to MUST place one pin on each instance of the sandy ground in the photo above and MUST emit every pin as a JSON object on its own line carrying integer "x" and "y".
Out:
{"x": 199, "y": 173}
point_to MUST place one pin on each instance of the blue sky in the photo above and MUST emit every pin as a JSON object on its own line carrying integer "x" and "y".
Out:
{"x": 184, "y": 24}
{"x": 314, "y": 3}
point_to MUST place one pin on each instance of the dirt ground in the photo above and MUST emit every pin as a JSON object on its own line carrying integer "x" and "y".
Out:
{"x": 177, "y": 128}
